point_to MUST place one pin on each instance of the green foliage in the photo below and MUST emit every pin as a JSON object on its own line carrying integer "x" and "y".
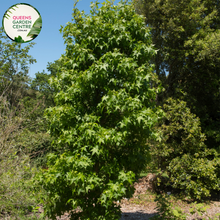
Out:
{"x": 104, "y": 113}
{"x": 37, "y": 144}
{"x": 186, "y": 32}
{"x": 16, "y": 194}
{"x": 178, "y": 134}
{"x": 19, "y": 39}
{"x": 14, "y": 67}
{"x": 166, "y": 209}
{"x": 36, "y": 28}
{"x": 201, "y": 208}
{"x": 182, "y": 153}
{"x": 197, "y": 175}
{"x": 41, "y": 85}
{"x": 23, "y": 140}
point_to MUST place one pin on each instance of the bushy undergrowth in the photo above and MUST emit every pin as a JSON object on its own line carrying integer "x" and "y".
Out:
{"x": 16, "y": 197}
{"x": 36, "y": 144}
{"x": 168, "y": 209}
{"x": 195, "y": 175}
{"x": 16, "y": 168}
{"x": 183, "y": 155}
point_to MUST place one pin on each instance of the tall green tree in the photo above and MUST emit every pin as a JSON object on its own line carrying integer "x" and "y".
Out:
{"x": 104, "y": 113}
{"x": 186, "y": 32}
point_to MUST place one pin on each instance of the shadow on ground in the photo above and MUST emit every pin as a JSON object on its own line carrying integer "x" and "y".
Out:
{"x": 136, "y": 215}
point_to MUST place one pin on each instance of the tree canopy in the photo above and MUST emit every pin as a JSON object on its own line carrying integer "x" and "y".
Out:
{"x": 187, "y": 36}
{"x": 104, "y": 112}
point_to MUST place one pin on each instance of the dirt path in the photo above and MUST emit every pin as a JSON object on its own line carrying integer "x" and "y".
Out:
{"x": 132, "y": 212}
{"x": 142, "y": 206}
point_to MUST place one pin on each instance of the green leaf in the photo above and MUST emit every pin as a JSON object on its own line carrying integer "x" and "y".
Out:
{"x": 176, "y": 213}
{"x": 95, "y": 150}
{"x": 139, "y": 119}
{"x": 19, "y": 39}
{"x": 36, "y": 28}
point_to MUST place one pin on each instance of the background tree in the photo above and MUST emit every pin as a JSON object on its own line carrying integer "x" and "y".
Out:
{"x": 37, "y": 136}
{"x": 14, "y": 68}
{"x": 104, "y": 113}
{"x": 186, "y": 34}
{"x": 15, "y": 168}
{"x": 23, "y": 138}
{"x": 15, "y": 165}
{"x": 41, "y": 83}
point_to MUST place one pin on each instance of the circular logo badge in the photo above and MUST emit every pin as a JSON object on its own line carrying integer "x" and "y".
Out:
{"x": 22, "y": 23}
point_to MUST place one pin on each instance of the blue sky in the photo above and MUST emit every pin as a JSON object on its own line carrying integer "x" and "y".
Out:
{"x": 49, "y": 43}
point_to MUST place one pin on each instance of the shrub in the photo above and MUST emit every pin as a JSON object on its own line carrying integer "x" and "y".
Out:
{"x": 182, "y": 153}
{"x": 166, "y": 209}
{"x": 196, "y": 175}
{"x": 15, "y": 169}
{"x": 180, "y": 133}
